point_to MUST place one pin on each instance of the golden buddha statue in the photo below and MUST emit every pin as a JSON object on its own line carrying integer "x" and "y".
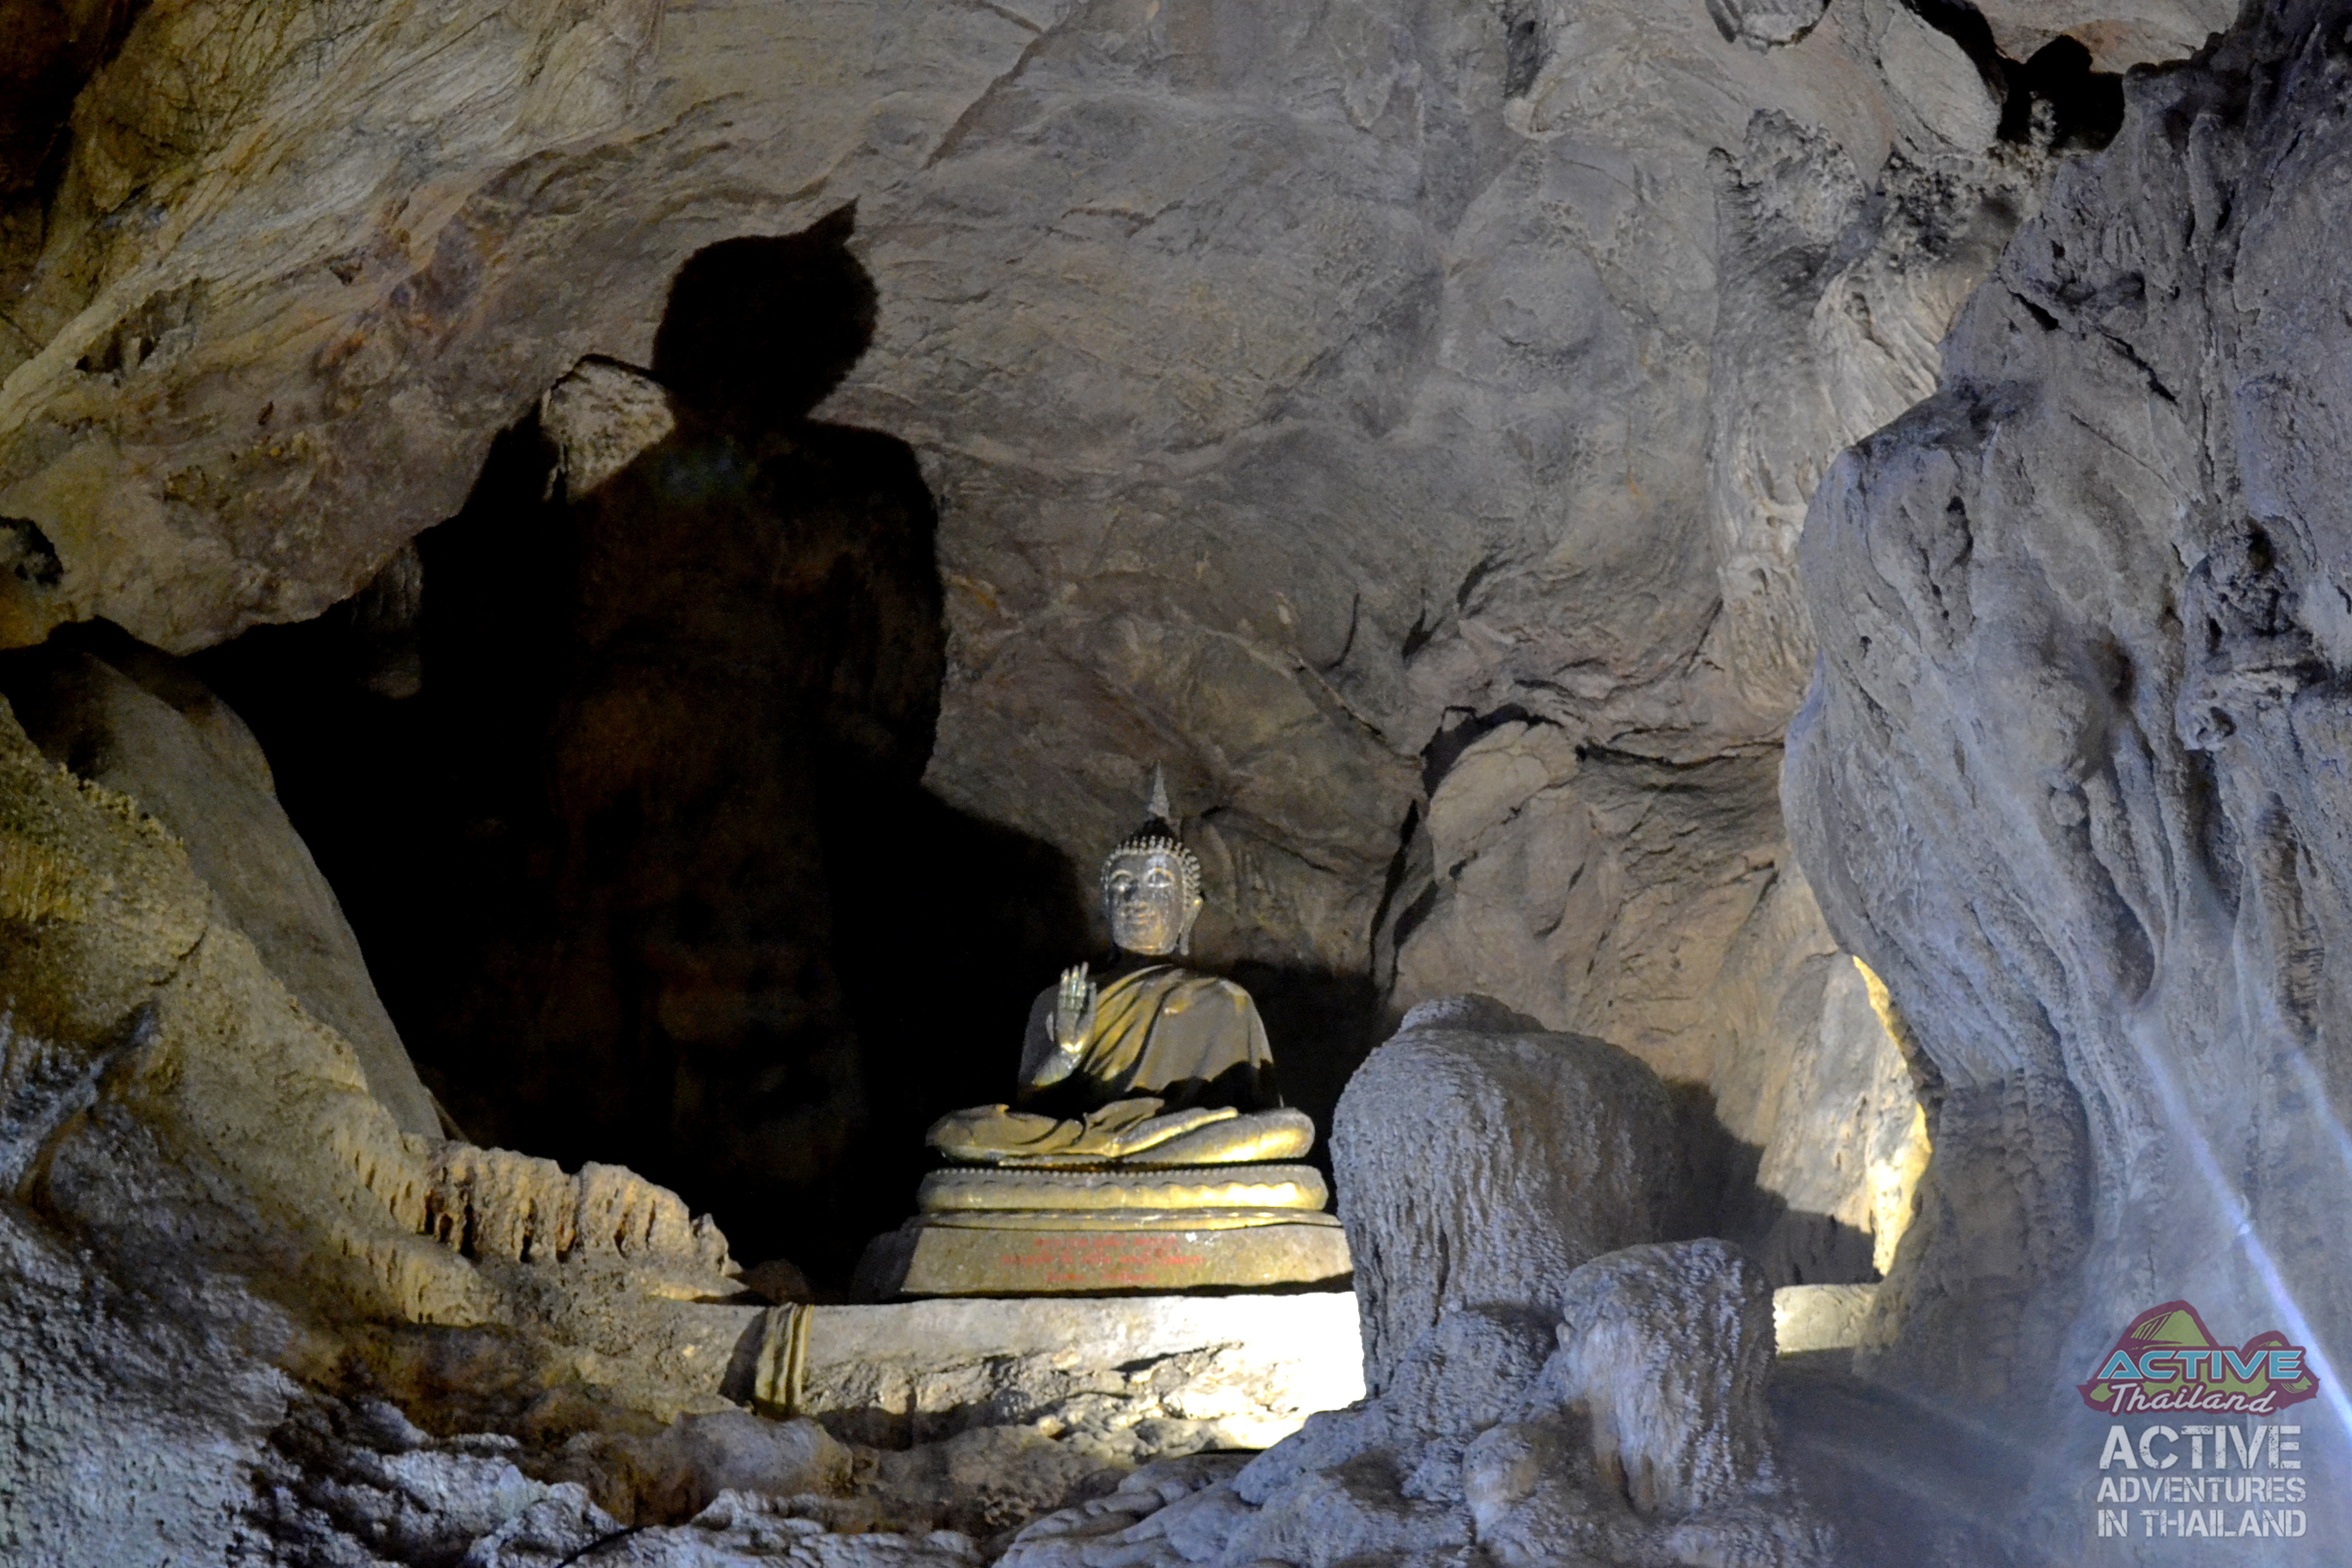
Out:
{"x": 1154, "y": 1064}
{"x": 1141, "y": 1151}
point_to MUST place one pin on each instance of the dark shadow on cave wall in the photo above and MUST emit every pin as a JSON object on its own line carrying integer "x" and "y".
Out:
{"x": 1792, "y": 1246}
{"x": 622, "y": 793}
{"x": 622, "y": 796}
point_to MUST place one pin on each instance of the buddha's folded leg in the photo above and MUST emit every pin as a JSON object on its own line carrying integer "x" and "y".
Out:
{"x": 983, "y": 1134}
{"x": 1251, "y": 1136}
{"x": 990, "y": 1134}
{"x": 1137, "y": 1141}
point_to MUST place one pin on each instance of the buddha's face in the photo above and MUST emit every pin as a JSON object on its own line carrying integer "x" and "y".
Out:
{"x": 1143, "y": 893}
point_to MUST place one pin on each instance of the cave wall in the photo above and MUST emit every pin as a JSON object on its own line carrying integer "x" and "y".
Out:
{"x": 2069, "y": 775}
{"x": 624, "y": 794}
{"x": 1321, "y": 404}
{"x": 124, "y": 717}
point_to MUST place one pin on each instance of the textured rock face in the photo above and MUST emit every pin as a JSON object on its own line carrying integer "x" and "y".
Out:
{"x": 1498, "y": 1434}
{"x": 1125, "y": 1378}
{"x": 174, "y": 1100}
{"x": 492, "y": 1202}
{"x": 1445, "y": 520}
{"x": 357, "y": 1482}
{"x": 210, "y": 1222}
{"x": 209, "y": 129}
{"x": 1307, "y": 407}
{"x": 2116, "y": 36}
{"x": 1630, "y": 901}
{"x": 2067, "y": 777}
{"x": 137, "y": 723}
{"x": 132, "y": 1419}
{"x": 1328, "y": 406}
{"x": 1667, "y": 1348}
{"x": 1293, "y": 395}
{"x": 1479, "y": 1160}
{"x": 1648, "y": 1429}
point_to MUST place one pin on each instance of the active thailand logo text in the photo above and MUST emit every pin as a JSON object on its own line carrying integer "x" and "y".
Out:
{"x": 2166, "y": 1360}
{"x": 2208, "y": 1455}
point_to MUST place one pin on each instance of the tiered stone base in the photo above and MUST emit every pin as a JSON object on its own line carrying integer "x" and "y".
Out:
{"x": 1132, "y": 1374}
{"x": 989, "y": 1232}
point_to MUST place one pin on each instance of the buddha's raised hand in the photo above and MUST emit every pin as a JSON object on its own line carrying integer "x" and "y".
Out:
{"x": 1074, "y": 1011}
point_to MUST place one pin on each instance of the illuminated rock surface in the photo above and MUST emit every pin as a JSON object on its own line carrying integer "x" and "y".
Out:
{"x": 1512, "y": 1433}
{"x": 1128, "y": 1376}
{"x": 2067, "y": 777}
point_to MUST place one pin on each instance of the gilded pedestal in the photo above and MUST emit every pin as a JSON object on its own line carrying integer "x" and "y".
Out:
{"x": 988, "y": 1232}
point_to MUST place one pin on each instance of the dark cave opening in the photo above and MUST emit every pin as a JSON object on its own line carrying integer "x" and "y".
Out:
{"x": 2081, "y": 108}
{"x": 2057, "y": 94}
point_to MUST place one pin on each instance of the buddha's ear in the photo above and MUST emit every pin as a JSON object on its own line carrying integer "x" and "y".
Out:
{"x": 1185, "y": 932}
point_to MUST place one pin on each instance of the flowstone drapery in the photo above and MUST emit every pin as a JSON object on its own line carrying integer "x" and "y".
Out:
{"x": 2071, "y": 774}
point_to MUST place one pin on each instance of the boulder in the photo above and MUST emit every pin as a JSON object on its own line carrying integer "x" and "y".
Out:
{"x": 1647, "y": 1437}
{"x": 1480, "y": 1160}
{"x": 1634, "y": 1431}
{"x": 1667, "y": 1349}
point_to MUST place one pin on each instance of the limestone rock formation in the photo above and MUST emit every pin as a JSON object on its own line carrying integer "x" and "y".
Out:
{"x": 1480, "y": 1160}
{"x": 2117, "y": 35}
{"x": 233, "y": 1277}
{"x": 134, "y": 1417}
{"x": 144, "y": 266}
{"x": 1092, "y": 1531}
{"x": 1667, "y": 1350}
{"x": 1632, "y": 1432}
{"x": 1495, "y": 415}
{"x": 359, "y": 1483}
{"x": 2065, "y": 774}
{"x": 135, "y": 721}
{"x": 1396, "y": 419}
{"x": 1658, "y": 1390}
{"x": 1761, "y": 24}
{"x": 492, "y": 1202}
{"x": 600, "y": 418}
{"x": 1279, "y": 480}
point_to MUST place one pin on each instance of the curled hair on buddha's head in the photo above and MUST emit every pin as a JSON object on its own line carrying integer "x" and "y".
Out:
{"x": 1156, "y": 837}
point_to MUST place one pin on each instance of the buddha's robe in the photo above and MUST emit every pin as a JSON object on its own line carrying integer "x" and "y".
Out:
{"x": 1175, "y": 1070}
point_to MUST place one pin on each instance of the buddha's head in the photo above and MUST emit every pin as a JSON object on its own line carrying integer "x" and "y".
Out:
{"x": 1152, "y": 886}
